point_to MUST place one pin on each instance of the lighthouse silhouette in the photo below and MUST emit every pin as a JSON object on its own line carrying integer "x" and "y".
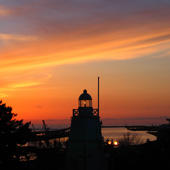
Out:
{"x": 85, "y": 145}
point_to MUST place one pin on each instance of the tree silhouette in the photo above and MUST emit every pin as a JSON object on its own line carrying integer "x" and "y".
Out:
{"x": 13, "y": 134}
{"x": 129, "y": 139}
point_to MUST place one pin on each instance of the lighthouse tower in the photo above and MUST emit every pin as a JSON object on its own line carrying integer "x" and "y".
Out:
{"x": 85, "y": 147}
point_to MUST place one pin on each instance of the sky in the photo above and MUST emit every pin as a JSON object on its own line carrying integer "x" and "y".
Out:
{"x": 51, "y": 50}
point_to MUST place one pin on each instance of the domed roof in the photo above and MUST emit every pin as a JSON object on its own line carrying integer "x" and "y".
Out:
{"x": 85, "y": 96}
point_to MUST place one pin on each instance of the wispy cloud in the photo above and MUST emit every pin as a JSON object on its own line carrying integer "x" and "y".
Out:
{"x": 4, "y": 91}
{"x": 67, "y": 32}
{"x": 8, "y": 37}
{"x": 12, "y": 83}
{"x": 42, "y": 54}
{"x": 134, "y": 121}
{"x": 4, "y": 11}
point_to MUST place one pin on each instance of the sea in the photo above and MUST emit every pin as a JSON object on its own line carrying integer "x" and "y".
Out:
{"x": 116, "y": 133}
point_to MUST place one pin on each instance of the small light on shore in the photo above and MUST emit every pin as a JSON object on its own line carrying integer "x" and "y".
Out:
{"x": 109, "y": 142}
{"x": 115, "y": 143}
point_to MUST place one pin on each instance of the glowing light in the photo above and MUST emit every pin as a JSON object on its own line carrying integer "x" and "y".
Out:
{"x": 40, "y": 134}
{"x": 115, "y": 143}
{"x": 109, "y": 142}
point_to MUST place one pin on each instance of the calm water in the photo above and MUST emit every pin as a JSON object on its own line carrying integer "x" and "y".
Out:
{"x": 116, "y": 133}
{"x": 109, "y": 133}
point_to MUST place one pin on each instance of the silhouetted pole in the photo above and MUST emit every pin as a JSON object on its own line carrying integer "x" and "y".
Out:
{"x": 98, "y": 94}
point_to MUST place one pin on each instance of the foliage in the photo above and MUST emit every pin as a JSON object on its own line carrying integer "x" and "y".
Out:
{"x": 129, "y": 139}
{"x": 13, "y": 133}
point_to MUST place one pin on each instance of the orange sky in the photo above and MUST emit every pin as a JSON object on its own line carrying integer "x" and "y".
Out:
{"x": 51, "y": 50}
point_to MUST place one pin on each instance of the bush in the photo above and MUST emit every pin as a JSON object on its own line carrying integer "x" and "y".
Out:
{"x": 129, "y": 139}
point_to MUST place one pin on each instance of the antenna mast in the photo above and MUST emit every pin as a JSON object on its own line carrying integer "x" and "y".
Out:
{"x": 98, "y": 94}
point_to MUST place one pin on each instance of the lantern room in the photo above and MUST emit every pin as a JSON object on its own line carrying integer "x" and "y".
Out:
{"x": 85, "y": 100}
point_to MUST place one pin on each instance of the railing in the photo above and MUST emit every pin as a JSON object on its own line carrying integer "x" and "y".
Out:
{"x": 75, "y": 112}
{"x": 95, "y": 112}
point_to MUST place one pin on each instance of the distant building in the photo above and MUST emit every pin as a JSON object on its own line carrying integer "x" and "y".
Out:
{"x": 85, "y": 147}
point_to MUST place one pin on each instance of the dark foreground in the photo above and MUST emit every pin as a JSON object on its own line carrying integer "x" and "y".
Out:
{"x": 152, "y": 155}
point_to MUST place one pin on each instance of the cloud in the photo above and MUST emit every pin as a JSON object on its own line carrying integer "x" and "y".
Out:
{"x": 5, "y": 91}
{"x": 72, "y": 32}
{"x": 16, "y": 37}
{"x": 17, "y": 82}
{"x": 134, "y": 121}
{"x": 25, "y": 84}
{"x": 46, "y": 54}
{"x": 136, "y": 118}
{"x": 4, "y": 11}
{"x": 156, "y": 40}
{"x": 39, "y": 107}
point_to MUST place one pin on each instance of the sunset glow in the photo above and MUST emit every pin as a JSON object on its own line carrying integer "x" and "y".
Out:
{"x": 51, "y": 50}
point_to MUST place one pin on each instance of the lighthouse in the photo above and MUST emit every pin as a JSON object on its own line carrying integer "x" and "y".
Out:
{"x": 85, "y": 146}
